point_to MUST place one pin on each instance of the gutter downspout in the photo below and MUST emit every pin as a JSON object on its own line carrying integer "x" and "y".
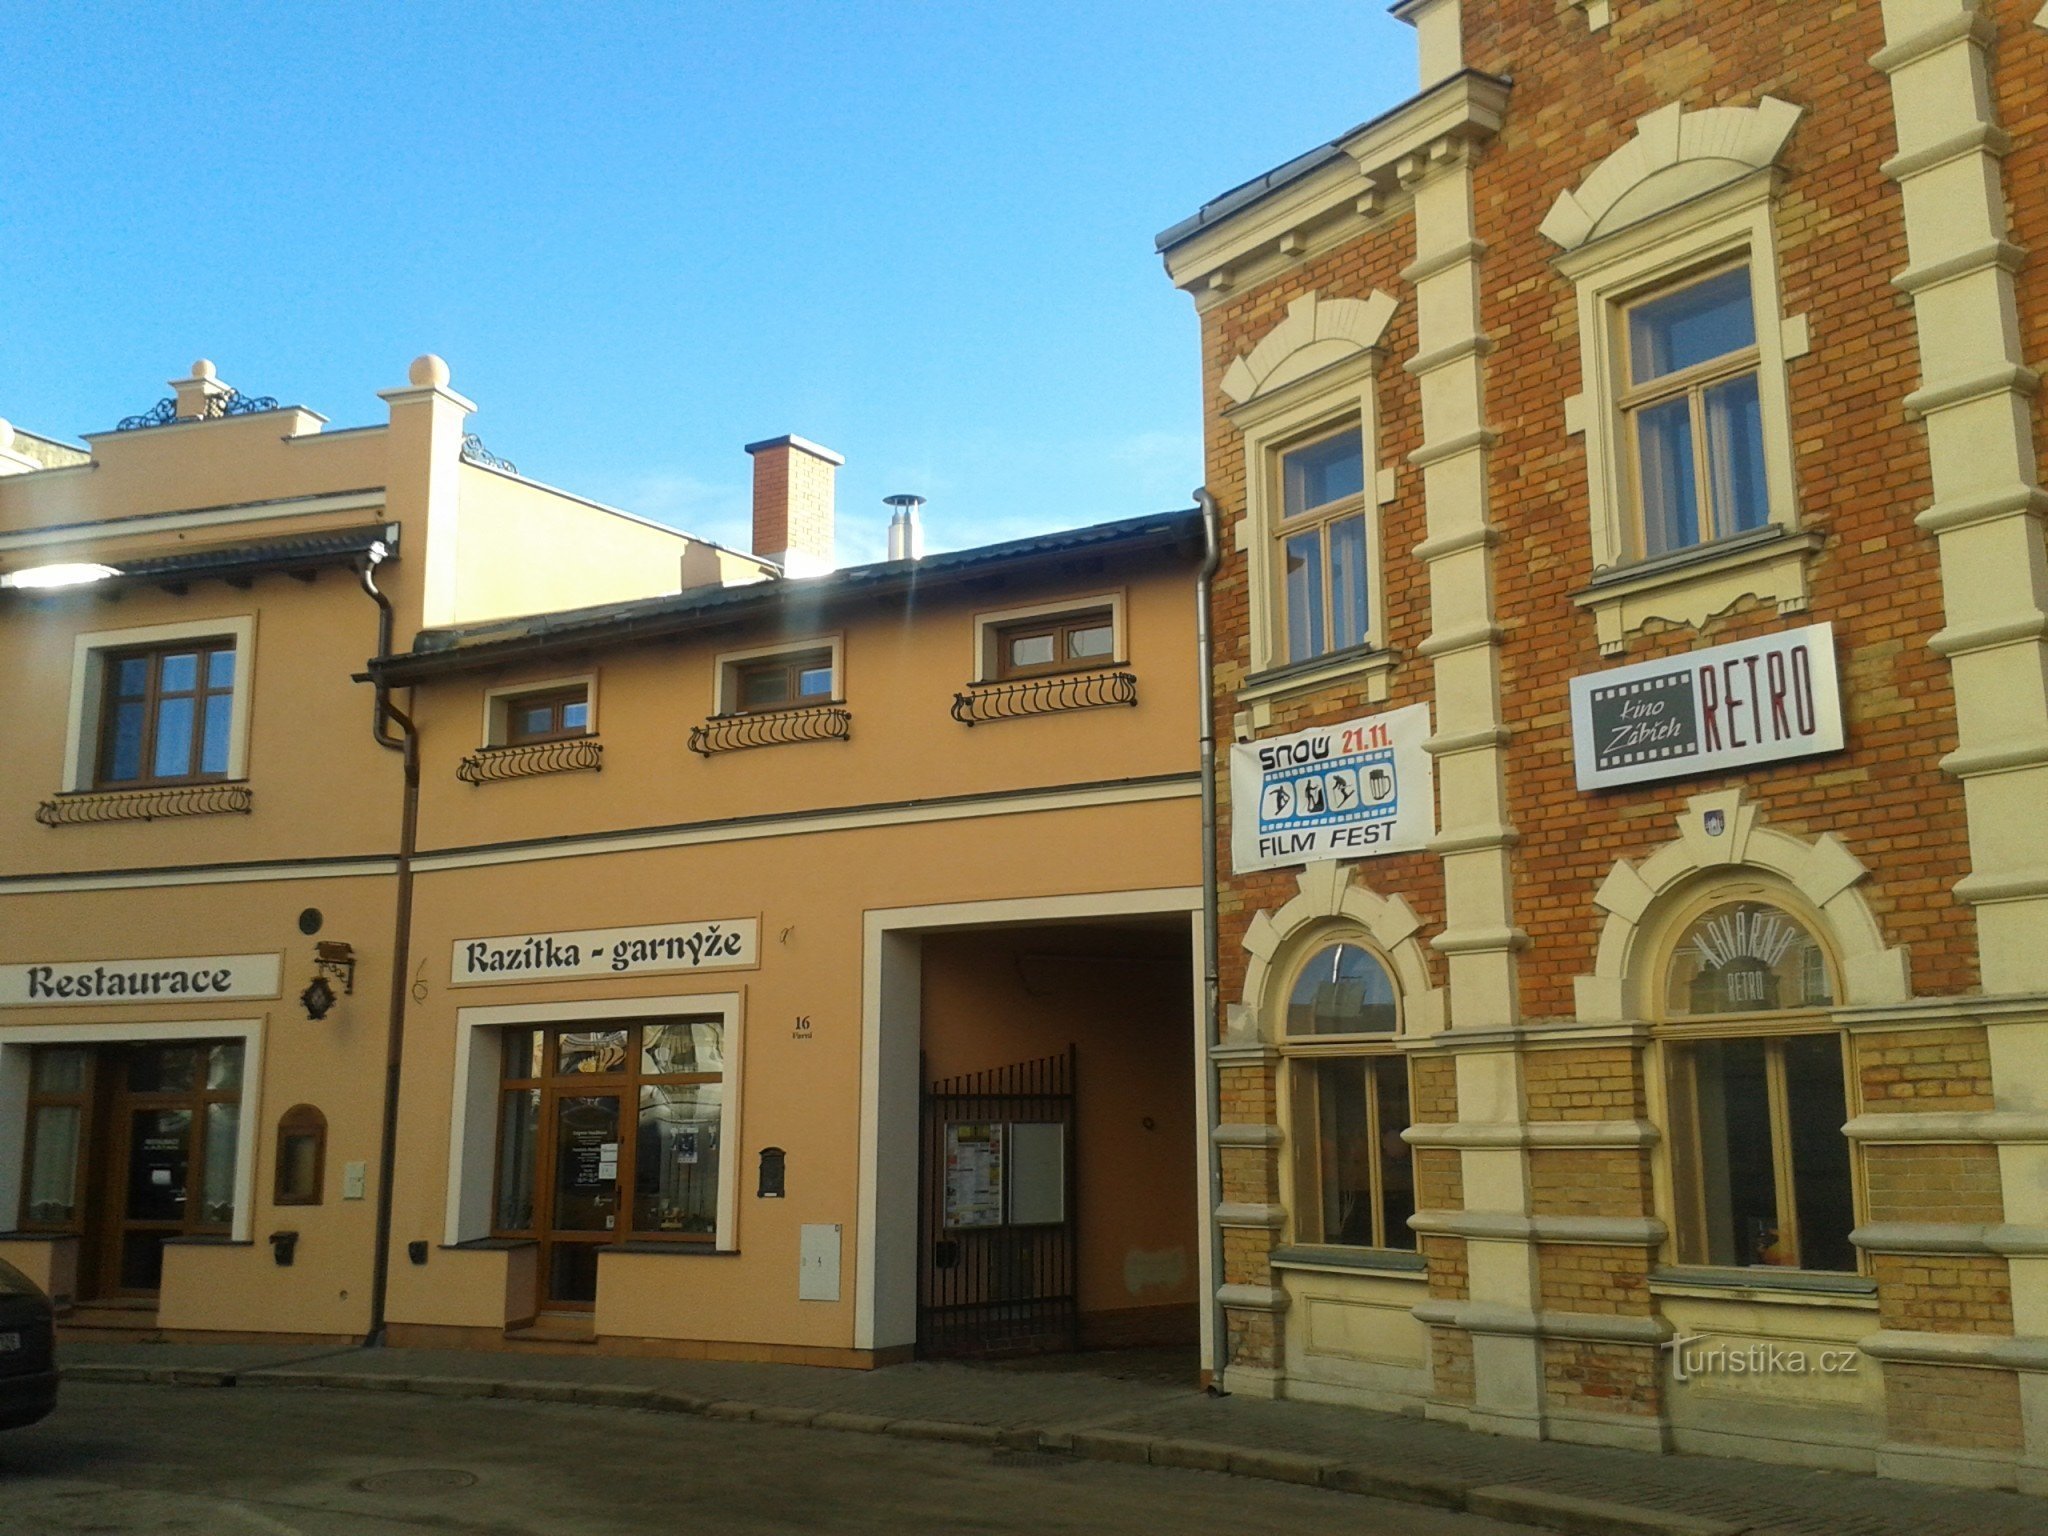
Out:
{"x": 384, "y": 713}
{"x": 1212, "y": 557}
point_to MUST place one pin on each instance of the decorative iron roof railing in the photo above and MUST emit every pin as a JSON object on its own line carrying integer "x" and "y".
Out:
{"x": 492, "y": 765}
{"x": 771, "y": 728}
{"x": 980, "y": 703}
{"x": 165, "y": 411}
{"x": 474, "y": 452}
{"x": 94, "y": 806}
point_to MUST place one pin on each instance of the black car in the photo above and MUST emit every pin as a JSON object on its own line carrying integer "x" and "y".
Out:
{"x": 28, "y": 1350}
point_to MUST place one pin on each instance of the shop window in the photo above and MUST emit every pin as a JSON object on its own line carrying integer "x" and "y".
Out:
{"x": 1353, "y": 1173}
{"x": 1761, "y": 1169}
{"x": 533, "y": 713}
{"x": 59, "y": 1113}
{"x": 1323, "y": 601}
{"x": 301, "y": 1156}
{"x": 762, "y": 683}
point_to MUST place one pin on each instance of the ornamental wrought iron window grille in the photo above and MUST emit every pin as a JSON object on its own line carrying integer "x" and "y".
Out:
{"x": 981, "y": 703}
{"x": 165, "y": 412}
{"x": 491, "y": 765}
{"x": 474, "y": 452}
{"x": 771, "y": 728}
{"x": 145, "y": 804}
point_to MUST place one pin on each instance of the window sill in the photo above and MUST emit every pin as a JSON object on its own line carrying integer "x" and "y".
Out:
{"x": 1691, "y": 586}
{"x": 1796, "y": 1287}
{"x": 489, "y": 1244}
{"x": 1049, "y": 693}
{"x": 771, "y": 728}
{"x": 1368, "y": 664}
{"x": 671, "y": 1250}
{"x": 94, "y": 806}
{"x": 492, "y": 765}
{"x": 1335, "y": 1260}
{"x": 208, "y": 1240}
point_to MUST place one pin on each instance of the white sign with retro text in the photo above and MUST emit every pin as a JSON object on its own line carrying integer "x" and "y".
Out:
{"x": 179, "y": 979}
{"x": 729, "y": 944}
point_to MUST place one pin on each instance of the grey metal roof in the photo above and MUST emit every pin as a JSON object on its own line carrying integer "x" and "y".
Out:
{"x": 475, "y": 645}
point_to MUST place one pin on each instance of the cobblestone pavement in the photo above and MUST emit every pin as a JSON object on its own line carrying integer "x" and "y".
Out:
{"x": 1120, "y": 1401}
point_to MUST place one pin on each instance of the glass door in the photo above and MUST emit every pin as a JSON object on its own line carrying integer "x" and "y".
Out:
{"x": 585, "y": 1193}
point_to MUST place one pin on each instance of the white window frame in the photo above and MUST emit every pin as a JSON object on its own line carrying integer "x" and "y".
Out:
{"x": 726, "y": 664}
{"x": 479, "y": 1072}
{"x": 986, "y": 625}
{"x": 88, "y": 675}
{"x": 1663, "y": 253}
{"x": 498, "y": 703}
{"x": 1323, "y": 402}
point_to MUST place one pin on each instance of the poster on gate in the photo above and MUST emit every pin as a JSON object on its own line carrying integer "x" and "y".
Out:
{"x": 1347, "y": 791}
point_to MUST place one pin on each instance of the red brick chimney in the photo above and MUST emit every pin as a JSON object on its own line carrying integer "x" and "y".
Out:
{"x": 793, "y": 504}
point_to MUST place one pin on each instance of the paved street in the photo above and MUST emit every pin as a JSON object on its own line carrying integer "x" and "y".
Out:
{"x": 167, "y": 1461}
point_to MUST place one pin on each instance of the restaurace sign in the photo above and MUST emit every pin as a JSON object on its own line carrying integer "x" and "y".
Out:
{"x": 183, "y": 979}
{"x": 1729, "y": 706}
{"x": 731, "y": 944}
{"x": 1346, "y": 791}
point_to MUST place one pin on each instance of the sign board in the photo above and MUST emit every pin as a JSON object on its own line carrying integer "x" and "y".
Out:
{"x": 974, "y": 1175}
{"x": 1728, "y": 706}
{"x": 1038, "y": 1173}
{"x": 1346, "y": 791}
{"x": 732, "y": 944}
{"x": 185, "y": 979}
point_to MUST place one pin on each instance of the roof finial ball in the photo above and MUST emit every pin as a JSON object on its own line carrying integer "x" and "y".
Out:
{"x": 204, "y": 370}
{"x": 429, "y": 372}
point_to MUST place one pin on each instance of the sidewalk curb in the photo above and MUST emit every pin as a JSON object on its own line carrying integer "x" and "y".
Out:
{"x": 1526, "y": 1506}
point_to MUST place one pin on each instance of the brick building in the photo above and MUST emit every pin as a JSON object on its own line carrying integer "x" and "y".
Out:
{"x": 1630, "y": 628}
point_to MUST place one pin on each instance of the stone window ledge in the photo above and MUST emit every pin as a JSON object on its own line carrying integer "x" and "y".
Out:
{"x": 1694, "y": 585}
{"x": 1363, "y": 664}
{"x": 1794, "y": 1287}
{"x": 91, "y": 807}
{"x": 1385, "y": 1261}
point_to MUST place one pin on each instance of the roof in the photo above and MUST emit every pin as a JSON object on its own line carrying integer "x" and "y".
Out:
{"x": 462, "y": 647}
{"x": 239, "y": 562}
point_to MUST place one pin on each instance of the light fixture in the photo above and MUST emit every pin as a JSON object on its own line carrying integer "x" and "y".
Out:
{"x": 47, "y": 578}
{"x": 330, "y": 958}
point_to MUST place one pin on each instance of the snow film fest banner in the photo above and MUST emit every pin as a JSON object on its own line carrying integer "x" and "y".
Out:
{"x": 1347, "y": 791}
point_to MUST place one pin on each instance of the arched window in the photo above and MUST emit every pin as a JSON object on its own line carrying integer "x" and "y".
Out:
{"x": 1757, "y": 1087}
{"x": 1354, "y": 1181}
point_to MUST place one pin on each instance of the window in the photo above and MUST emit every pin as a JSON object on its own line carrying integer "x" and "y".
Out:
{"x": 1321, "y": 559}
{"x": 301, "y": 1156}
{"x": 540, "y": 710}
{"x": 1354, "y": 1174}
{"x": 1692, "y": 415}
{"x": 1761, "y": 1168}
{"x": 553, "y": 715}
{"x": 1055, "y": 643}
{"x": 59, "y": 1117}
{"x": 166, "y": 704}
{"x": 779, "y": 680}
{"x": 166, "y": 714}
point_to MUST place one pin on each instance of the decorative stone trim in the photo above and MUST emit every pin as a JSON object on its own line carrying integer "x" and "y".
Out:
{"x": 1267, "y": 1217}
{"x": 1507, "y": 1226}
{"x": 1701, "y": 585}
{"x": 1950, "y": 1237}
{"x": 1316, "y": 334}
{"x": 1558, "y": 1135}
{"x": 1599, "y": 13}
{"x": 772, "y": 728}
{"x": 1252, "y": 1298}
{"x": 1991, "y": 1351}
{"x": 1674, "y": 157}
{"x": 145, "y": 804}
{"x": 1247, "y": 1135}
{"x": 1326, "y": 895}
{"x": 491, "y": 765}
{"x": 1907, "y": 1127}
{"x": 1588, "y": 1327}
{"x": 980, "y": 703}
{"x": 1823, "y": 871}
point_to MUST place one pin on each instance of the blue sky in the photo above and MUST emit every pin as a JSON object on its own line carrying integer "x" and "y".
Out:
{"x": 645, "y": 235}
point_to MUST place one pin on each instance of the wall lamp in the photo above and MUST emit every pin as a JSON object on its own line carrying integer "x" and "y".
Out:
{"x": 331, "y": 958}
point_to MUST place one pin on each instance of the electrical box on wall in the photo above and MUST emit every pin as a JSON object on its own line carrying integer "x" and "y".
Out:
{"x": 818, "y": 1263}
{"x": 353, "y": 1178}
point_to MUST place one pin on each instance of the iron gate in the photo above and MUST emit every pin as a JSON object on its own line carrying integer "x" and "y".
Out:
{"x": 996, "y": 1267}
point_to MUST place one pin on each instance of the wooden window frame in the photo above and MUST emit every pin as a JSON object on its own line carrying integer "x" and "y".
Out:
{"x": 556, "y": 700}
{"x": 1691, "y": 384}
{"x": 201, "y": 694}
{"x": 301, "y": 1120}
{"x": 792, "y": 664}
{"x": 518, "y": 1076}
{"x": 1061, "y": 627}
{"x": 1319, "y": 519}
{"x": 84, "y": 1100}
